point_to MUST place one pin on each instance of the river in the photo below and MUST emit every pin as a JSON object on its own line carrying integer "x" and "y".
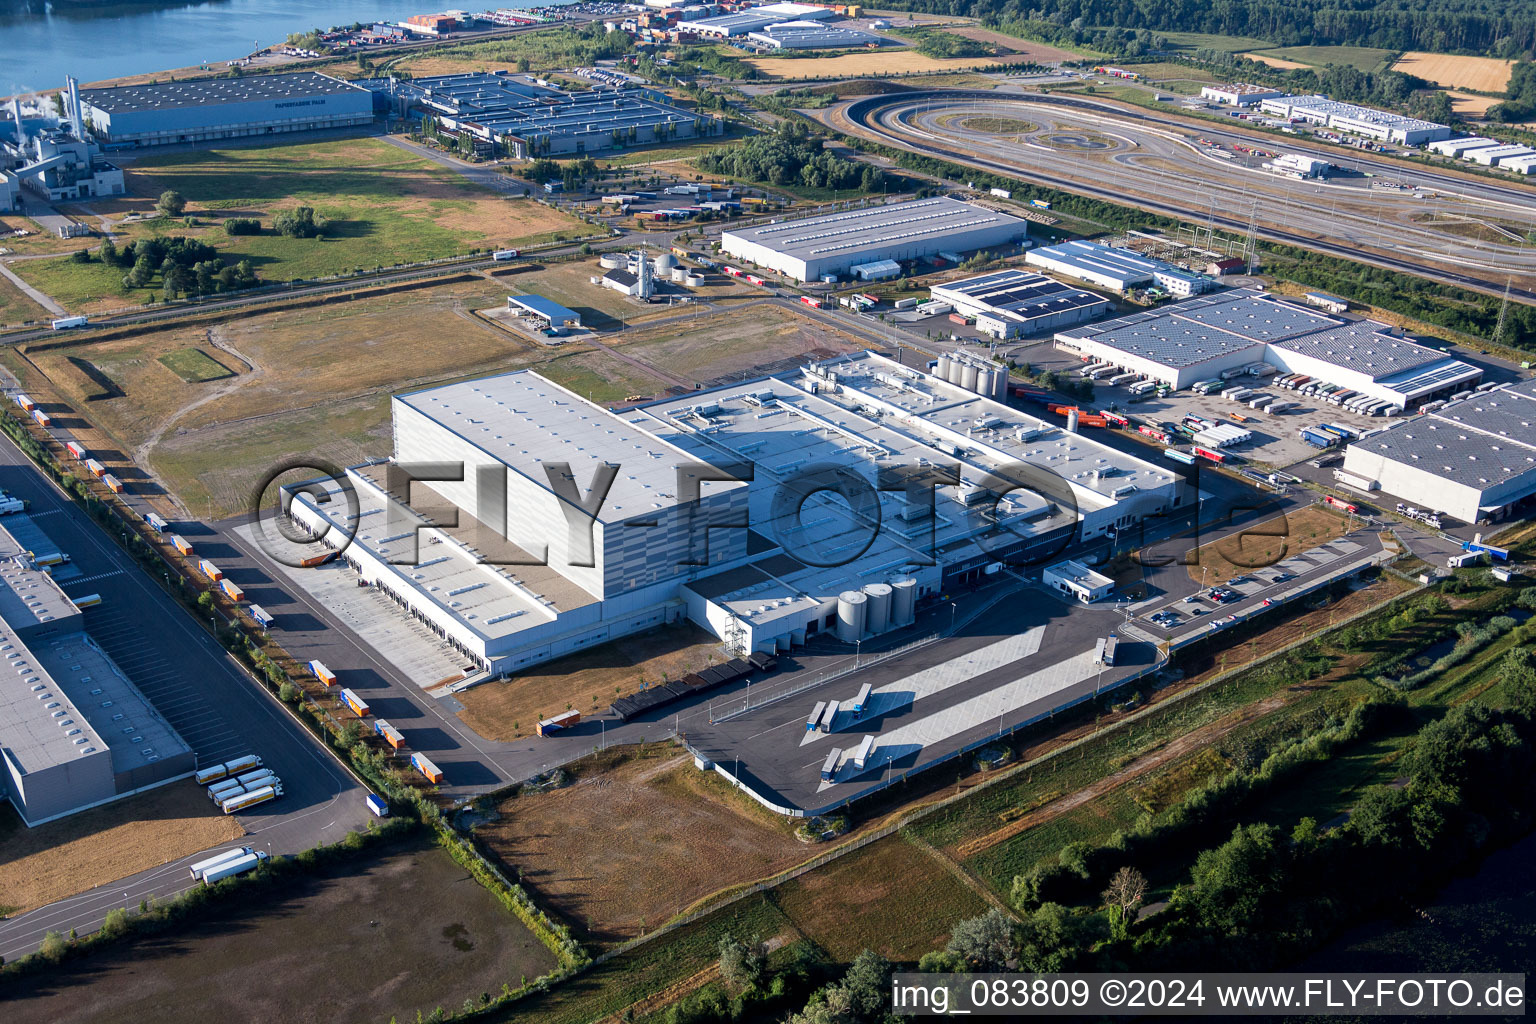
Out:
{"x": 42, "y": 42}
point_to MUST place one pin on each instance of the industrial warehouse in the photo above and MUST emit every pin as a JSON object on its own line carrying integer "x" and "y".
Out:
{"x": 1117, "y": 269}
{"x": 810, "y": 35}
{"x": 1016, "y": 303}
{"x": 1199, "y": 338}
{"x": 531, "y": 570}
{"x": 505, "y": 115}
{"x": 816, "y": 248}
{"x": 1358, "y": 120}
{"x": 74, "y": 732}
{"x": 741, "y": 23}
{"x": 1473, "y": 459}
{"x": 206, "y": 109}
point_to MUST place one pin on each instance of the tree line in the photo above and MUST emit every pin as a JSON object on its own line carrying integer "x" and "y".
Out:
{"x": 185, "y": 266}
{"x": 790, "y": 156}
{"x": 1500, "y": 28}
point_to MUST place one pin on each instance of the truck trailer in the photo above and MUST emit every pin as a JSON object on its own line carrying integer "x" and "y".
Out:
{"x": 424, "y": 765}
{"x": 238, "y": 866}
{"x": 251, "y": 798}
{"x": 354, "y": 703}
{"x": 322, "y": 673}
{"x": 555, "y": 723}
{"x": 208, "y": 863}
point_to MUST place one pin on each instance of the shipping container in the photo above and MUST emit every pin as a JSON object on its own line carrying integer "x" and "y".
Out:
{"x": 213, "y": 773}
{"x": 251, "y": 799}
{"x": 210, "y": 570}
{"x": 260, "y": 615}
{"x": 196, "y": 869}
{"x": 904, "y": 304}
{"x": 242, "y": 764}
{"x": 391, "y": 735}
{"x": 25, "y": 402}
{"x": 422, "y": 764}
{"x": 159, "y": 525}
{"x": 232, "y": 590}
{"x": 322, "y": 673}
{"x": 812, "y": 723}
{"x": 554, "y": 724}
{"x": 377, "y": 805}
{"x": 42, "y": 418}
{"x": 113, "y": 483}
{"x": 354, "y": 703}
{"x": 862, "y": 755}
{"x": 76, "y": 449}
{"x": 181, "y": 545}
{"x": 829, "y": 766}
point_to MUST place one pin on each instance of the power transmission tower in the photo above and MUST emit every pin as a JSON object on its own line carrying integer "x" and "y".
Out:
{"x": 1251, "y": 246}
{"x": 1498, "y": 331}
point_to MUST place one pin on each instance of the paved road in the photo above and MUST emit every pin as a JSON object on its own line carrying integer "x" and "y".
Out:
{"x": 219, "y": 710}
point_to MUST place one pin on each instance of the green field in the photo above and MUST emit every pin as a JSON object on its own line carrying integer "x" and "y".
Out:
{"x": 15, "y": 307}
{"x": 1203, "y": 41}
{"x": 1366, "y": 58}
{"x": 194, "y": 366}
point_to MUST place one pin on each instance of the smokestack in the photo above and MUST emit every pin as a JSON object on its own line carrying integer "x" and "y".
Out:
{"x": 74, "y": 108}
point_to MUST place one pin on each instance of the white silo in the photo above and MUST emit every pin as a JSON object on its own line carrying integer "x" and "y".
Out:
{"x": 1000, "y": 385}
{"x": 877, "y": 618}
{"x": 1071, "y": 421}
{"x": 679, "y": 275}
{"x": 903, "y": 602}
{"x": 851, "y": 606}
{"x": 968, "y": 377}
{"x": 665, "y": 262}
{"x": 942, "y": 370}
{"x": 984, "y": 383}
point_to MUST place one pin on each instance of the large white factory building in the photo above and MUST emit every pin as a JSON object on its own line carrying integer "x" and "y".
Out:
{"x": 870, "y": 486}
{"x": 813, "y": 247}
{"x": 1197, "y": 338}
{"x": 1474, "y": 459}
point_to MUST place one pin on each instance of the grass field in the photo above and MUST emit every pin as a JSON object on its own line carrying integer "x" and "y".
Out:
{"x": 881, "y": 62}
{"x": 16, "y": 307}
{"x": 384, "y": 205}
{"x": 1040, "y": 52}
{"x": 61, "y": 858}
{"x": 1265, "y": 544}
{"x": 1480, "y": 74}
{"x": 630, "y": 845}
{"x": 194, "y": 366}
{"x": 1365, "y": 58}
{"x": 715, "y": 345}
{"x": 602, "y": 377}
{"x": 891, "y": 897}
{"x": 1205, "y": 41}
{"x": 392, "y": 934}
{"x": 506, "y": 709}
{"x": 1276, "y": 62}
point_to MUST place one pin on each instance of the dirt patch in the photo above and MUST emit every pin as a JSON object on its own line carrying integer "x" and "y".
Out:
{"x": 883, "y": 62}
{"x": 708, "y": 347}
{"x": 507, "y": 709}
{"x": 1265, "y": 543}
{"x": 391, "y": 934}
{"x": 890, "y": 897}
{"x": 626, "y": 848}
{"x": 53, "y": 861}
{"x": 1482, "y": 74}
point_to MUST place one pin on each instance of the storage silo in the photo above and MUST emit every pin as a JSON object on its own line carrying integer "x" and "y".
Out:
{"x": 956, "y": 371}
{"x": 612, "y": 261}
{"x": 942, "y": 370}
{"x": 984, "y": 383}
{"x": 664, "y": 263}
{"x": 1071, "y": 421}
{"x": 1000, "y": 385}
{"x": 877, "y": 617}
{"x": 903, "y": 602}
{"x": 692, "y": 280}
{"x": 851, "y": 605}
{"x": 679, "y": 275}
{"x": 968, "y": 377}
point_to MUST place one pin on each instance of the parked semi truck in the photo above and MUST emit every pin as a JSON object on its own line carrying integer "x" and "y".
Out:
{"x": 251, "y": 798}
{"x": 554, "y": 724}
{"x": 225, "y": 857}
{"x": 230, "y": 869}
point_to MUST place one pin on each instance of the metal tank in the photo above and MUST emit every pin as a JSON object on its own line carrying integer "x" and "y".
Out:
{"x": 851, "y": 608}
{"x": 968, "y": 377}
{"x": 942, "y": 370}
{"x": 984, "y": 383}
{"x": 679, "y": 275}
{"x": 877, "y": 619}
{"x": 903, "y": 602}
{"x": 612, "y": 261}
{"x": 1072, "y": 421}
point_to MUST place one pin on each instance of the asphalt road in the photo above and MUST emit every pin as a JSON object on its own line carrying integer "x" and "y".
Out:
{"x": 219, "y": 710}
{"x": 1158, "y": 165}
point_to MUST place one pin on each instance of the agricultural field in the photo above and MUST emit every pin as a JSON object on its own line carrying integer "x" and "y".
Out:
{"x": 1039, "y": 52}
{"x": 1265, "y": 544}
{"x": 1364, "y": 58}
{"x": 506, "y": 709}
{"x": 391, "y": 934}
{"x": 383, "y": 206}
{"x": 1276, "y": 62}
{"x": 1206, "y": 41}
{"x": 719, "y": 344}
{"x": 892, "y": 897}
{"x": 873, "y": 63}
{"x": 637, "y": 838}
{"x": 61, "y": 858}
{"x": 1480, "y": 74}
{"x": 1468, "y": 105}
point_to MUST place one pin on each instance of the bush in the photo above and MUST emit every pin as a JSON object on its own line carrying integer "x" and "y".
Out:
{"x": 242, "y": 226}
{"x": 299, "y": 223}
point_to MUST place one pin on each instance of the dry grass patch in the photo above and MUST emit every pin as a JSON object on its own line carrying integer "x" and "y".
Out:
{"x": 720, "y": 344}
{"x": 51, "y": 862}
{"x": 1468, "y": 105}
{"x": 630, "y": 845}
{"x": 1265, "y": 543}
{"x": 874, "y": 62}
{"x": 507, "y": 709}
{"x": 1482, "y": 74}
{"x": 1276, "y": 62}
{"x": 890, "y": 897}
{"x": 1013, "y": 44}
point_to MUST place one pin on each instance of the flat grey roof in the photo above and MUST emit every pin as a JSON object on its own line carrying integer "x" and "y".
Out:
{"x": 1481, "y": 442}
{"x": 29, "y": 596}
{"x": 873, "y": 228}
{"x": 1090, "y": 257}
{"x": 206, "y": 92}
{"x": 526, "y": 420}
{"x": 1019, "y": 295}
